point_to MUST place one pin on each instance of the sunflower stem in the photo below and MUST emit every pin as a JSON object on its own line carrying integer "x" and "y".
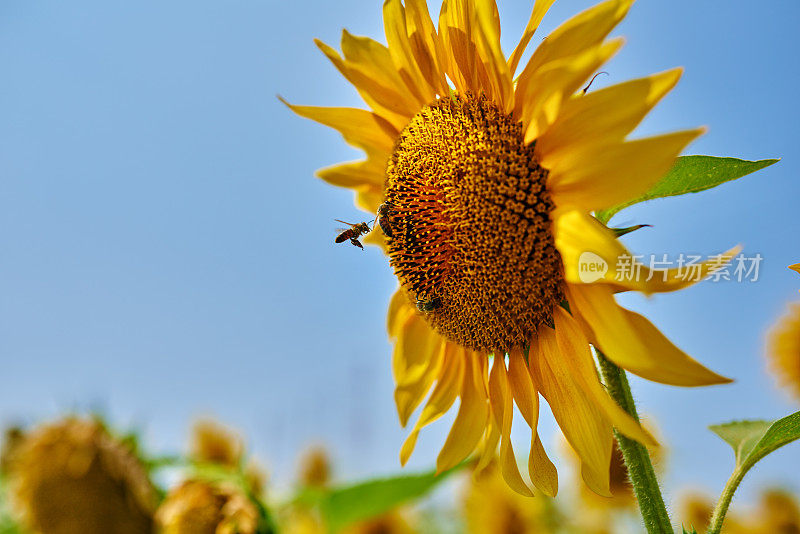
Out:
{"x": 637, "y": 459}
{"x": 718, "y": 516}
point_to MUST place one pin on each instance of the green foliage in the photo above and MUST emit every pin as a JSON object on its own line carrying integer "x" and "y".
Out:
{"x": 753, "y": 440}
{"x": 345, "y": 505}
{"x": 692, "y": 174}
{"x": 692, "y": 531}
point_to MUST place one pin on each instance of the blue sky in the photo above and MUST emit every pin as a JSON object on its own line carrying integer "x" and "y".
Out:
{"x": 165, "y": 251}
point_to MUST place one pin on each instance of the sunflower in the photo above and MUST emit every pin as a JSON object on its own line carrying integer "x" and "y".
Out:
{"x": 213, "y": 443}
{"x": 484, "y": 180}
{"x": 207, "y": 507}
{"x": 784, "y": 347}
{"x": 491, "y": 506}
{"x": 73, "y": 477}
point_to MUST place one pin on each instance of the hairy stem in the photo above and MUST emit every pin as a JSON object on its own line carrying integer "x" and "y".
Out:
{"x": 721, "y": 508}
{"x": 637, "y": 459}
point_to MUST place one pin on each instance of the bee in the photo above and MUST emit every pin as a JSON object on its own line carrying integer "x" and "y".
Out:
{"x": 429, "y": 305}
{"x": 383, "y": 218}
{"x": 353, "y": 233}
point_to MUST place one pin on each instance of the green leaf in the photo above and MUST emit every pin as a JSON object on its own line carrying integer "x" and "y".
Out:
{"x": 693, "y": 531}
{"x": 346, "y": 505}
{"x": 692, "y": 174}
{"x": 753, "y": 440}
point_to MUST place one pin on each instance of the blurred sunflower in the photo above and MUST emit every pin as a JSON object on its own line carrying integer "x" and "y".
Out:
{"x": 784, "y": 347}
{"x": 213, "y": 443}
{"x": 73, "y": 477}
{"x": 486, "y": 190}
{"x": 207, "y": 507}
{"x": 779, "y": 513}
{"x": 315, "y": 468}
{"x": 491, "y": 506}
{"x": 314, "y": 474}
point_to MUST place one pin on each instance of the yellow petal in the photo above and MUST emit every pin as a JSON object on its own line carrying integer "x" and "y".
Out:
{"x": 456, "y": 32}
{"x": 578, "y": 363}
{"x": 470, "y": 422}
{"x": 539, "y": 102}
{"x": 632, "y": 342}
{"x": 580, "y": 33}
{"x": 522, "y": 389}
{"x": 416, "y": 354}
{"x": 503, "y": 410}
{"x": 540, "y": 7}
{"x": 369, "y": 199}
{"x": 376, "y": 82}
{"x": 394, "y": 24}
{"x": 581, "y": 240}
{"x": 487, "y": 38}
{"x": 398, "y": 313}
{"x": 580, "y": 419}
{"x": 360, "y": 128}
{"x": 606, "y": 175}
{"x": 355, "y": 174}
{"x": 409, "y": 393}
{"x": 489, "y": 446}
{"x": 541, "y": 470}
{"x": 444, "y": 394}
{"x": 795, "y": 267}
{"x": 425, "y": 45}
{"x": 602, "y": 116}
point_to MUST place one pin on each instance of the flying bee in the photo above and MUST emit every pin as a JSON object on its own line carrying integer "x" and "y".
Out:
{"x": 429, "y": 305}
{"x": 353, "y": 233}
{"x": 384, "y": 218}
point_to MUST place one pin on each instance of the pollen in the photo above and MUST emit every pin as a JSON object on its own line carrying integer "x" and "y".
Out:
{"x": 472, "y": 240}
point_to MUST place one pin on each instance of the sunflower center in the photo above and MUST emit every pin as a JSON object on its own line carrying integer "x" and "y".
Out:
{"x": 469, "y": 219}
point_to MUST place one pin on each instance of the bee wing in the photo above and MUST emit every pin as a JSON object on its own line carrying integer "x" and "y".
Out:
{"x": 344, "y": 222}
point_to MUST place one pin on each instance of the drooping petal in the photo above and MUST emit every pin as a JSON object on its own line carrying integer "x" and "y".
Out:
{"x": 398, "y": 312}
{"x": 606, "y": 175}
{"x": 488, "y": 447}
{"x": 359, "y": 127}
{"x": 580, "y": 237}
{"x": 599, "y": 117}
{"x": 500, "y": 399}
{"x": 632, "y": 342}
{"x": 416, "y": 354}
{"x": 470, "y": 422}
{"x": 542, "y": 471}
{"x": 540, "y": 8}
{"x": 580, "y": 419}
{"x": 522, "y": 389}
{"x": 444, "y": 394}
{"x": 578, "y": 363}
